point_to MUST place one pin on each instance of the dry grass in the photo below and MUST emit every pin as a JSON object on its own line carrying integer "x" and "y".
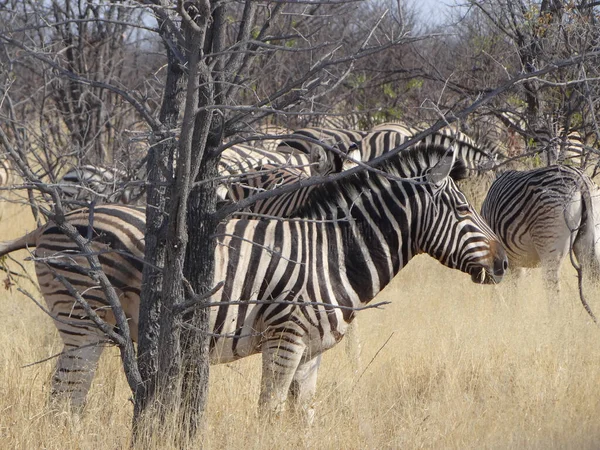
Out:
{"x": 466, "y": 367}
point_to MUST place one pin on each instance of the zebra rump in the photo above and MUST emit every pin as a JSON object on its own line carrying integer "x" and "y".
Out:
{"x": 538, "y": 213}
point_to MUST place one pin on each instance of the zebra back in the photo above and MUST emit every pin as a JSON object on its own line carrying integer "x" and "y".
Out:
{"x": 268, "y": 178}
{"x": 398, "y": 127}
{"x": 272, "y": 132}
{"x": 378, "y": 143}
{"x": 240, "y": 159}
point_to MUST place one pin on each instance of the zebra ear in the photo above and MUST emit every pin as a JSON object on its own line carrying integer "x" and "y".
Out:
{"x": 443, "y": 167}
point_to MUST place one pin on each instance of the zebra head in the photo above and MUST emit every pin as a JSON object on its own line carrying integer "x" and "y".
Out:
{"x": 454, "y": 233}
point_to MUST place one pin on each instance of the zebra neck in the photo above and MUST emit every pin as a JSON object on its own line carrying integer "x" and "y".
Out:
{"x": 379, "y": 238}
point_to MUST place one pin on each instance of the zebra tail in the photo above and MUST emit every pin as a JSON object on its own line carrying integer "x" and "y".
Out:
{"x": 27, "y": 241}
{"x": 587, "y": 241}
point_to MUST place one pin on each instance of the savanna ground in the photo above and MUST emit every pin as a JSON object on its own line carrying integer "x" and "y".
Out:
{"x": 448, "y": 364}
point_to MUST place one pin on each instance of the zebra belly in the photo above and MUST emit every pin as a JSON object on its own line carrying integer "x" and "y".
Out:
{"x": 232, "y": 342}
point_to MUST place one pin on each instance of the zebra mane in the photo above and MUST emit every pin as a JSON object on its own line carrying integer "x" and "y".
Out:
{"x": 413, "y": 163}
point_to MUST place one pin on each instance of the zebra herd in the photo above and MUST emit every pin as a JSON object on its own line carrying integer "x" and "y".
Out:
{"x": 293, "y": 279}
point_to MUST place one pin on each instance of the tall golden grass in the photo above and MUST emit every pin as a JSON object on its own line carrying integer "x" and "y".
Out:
{"x": 448, "y": 364}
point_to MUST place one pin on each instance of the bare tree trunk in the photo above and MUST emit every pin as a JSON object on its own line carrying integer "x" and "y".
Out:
{"x": 160, "y": 170}
{"x": 176, "y": 364}
{"x": 199, "y": 270}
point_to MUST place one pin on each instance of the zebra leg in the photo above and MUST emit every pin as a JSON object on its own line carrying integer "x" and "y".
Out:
{"x": 552, "y": 280}
{"x": 281, "y": 357}
{"x": 303, "y": 388}
{"x": 74, "y": 372}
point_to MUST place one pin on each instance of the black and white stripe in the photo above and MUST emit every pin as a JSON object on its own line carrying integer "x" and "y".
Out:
{"x": 538, "y": 213}
{"x": 379, "y": 142}
{"x": 87, "y": 184}
{"x": 398, "y": 126}
{"x": 561, "y": 146}
{"x": 382, "y": 222}
{"x": 257, "y": 170}
{"x": 342, "y": 140}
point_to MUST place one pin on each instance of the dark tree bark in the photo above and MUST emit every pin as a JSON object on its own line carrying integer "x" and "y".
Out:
{"x": 160, "y": 172}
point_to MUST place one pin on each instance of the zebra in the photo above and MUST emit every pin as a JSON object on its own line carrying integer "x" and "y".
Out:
{"x": 561, "y": 146}
{"x": 240, "y": 158}
{"x": 375, "y": 224}
{"x": 273, "y": 142}
{"x": 386, "y": 137}
{"x": 244, "y": 170}
{"x": 259, "y": 169}
{"x": 341, "y": 139}
{"x": 379, "y": 142}
{"x": 538, "y": 214}
{"x": 89, "y": 183}
{"x": 398, "y": 126}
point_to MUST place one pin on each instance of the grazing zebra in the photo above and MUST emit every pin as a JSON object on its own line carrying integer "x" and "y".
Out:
{"x": 342, "y": 140}
{"x": 265, "y": 130}
{"x": 244, "y": 170}
{"x": 377, "y": 143}
{"x": 538, "y": 213}
{"x": 399, "y": 127}
{"x": 87, "y": 184}
{"x": 377, "y": 224}
{"x": 560, "y": 145}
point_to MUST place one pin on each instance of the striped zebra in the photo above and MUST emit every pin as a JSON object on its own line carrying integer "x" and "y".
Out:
{"x": 376, "y": 225}
{"x": 239, "y": 167}
{"x": 271, "y": 171}
{"x": 344, "y": 141}
{"x": 272, "y": 132}
{"x": 398, "y": 126}
{"x": 374, "y": 145}
{"x": 560, "y": 145}
{"x": 538, "y": 213}
{"x": 244, "y": 170}
{"x": 88, "y": 184}
{"x": 379, "y": 142}
{"x": 239, "y": 159}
